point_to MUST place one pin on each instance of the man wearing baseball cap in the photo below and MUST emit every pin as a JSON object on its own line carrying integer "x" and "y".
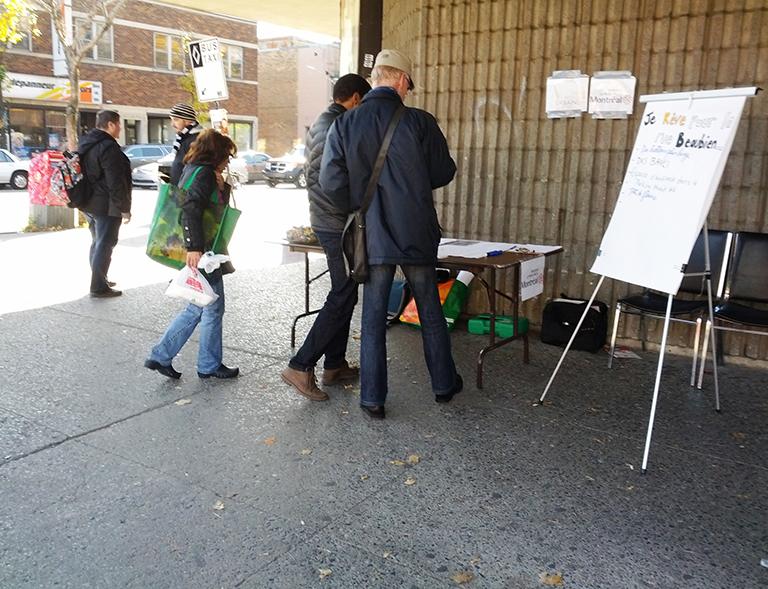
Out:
{"x": 401, "y": 222}
{"x": 184, "y": 122}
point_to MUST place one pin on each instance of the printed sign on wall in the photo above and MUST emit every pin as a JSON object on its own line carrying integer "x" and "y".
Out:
{"x": 47, "y": 88}
{"x": 611, "y": 95}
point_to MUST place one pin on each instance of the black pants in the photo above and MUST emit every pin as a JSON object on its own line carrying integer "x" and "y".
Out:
{"x": 330, "y": 332}
{"x": 104, "y": 233}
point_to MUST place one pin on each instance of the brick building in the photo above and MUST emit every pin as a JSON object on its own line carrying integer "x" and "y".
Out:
{"x": 296, "y": 82}
{"x": 135, "y": 69}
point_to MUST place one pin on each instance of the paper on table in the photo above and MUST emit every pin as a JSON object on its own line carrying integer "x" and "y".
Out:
{"x": 466, "y": 248}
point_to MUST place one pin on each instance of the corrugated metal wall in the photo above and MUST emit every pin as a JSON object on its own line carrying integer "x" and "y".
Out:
{"x": 481, "y": 67}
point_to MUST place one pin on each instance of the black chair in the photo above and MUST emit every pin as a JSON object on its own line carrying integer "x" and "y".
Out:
{"x": 654, "y": 305}
{"x": 747, "y": 280}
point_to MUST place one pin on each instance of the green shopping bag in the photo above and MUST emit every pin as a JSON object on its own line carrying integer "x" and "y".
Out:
{"x": 165, "y": 243}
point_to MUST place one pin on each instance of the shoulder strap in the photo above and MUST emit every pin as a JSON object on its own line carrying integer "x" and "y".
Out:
{"x": 191, "y": 179}
{"x": 379, "y": 165}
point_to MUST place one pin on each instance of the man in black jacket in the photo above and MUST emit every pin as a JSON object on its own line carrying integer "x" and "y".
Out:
{"x": 109, "y": 174}
{"x": 184, "y": 122}
{"x": 330, "y": 332}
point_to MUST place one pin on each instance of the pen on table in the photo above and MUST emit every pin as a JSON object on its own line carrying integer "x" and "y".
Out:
{"x": 494, "y": 253}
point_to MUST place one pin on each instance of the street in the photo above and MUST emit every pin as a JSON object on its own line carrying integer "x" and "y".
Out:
{"x": 55, "y": 263}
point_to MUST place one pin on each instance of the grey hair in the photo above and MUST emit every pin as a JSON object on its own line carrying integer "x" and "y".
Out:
{"x": 385, "y": 73}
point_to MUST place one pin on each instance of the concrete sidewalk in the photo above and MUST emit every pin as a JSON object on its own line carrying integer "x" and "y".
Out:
{"x": 113, "y": 476}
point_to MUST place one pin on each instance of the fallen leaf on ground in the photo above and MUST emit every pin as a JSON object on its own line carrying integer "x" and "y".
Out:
{"x": 462, "y": 577}
{"x": 306, "y": 451}
{"x": 410, "y": 481}
{"x": 475, "y": 560}
{"x": 219, "y": 505}
{"x": 348, "y": 386}
{"x": 270, "y": 441}
{"x": 630, "y": 488}
{"x": 364, "y": 477}
{"x": 324, "y": 572}
{"x": 630, "y": 466}
{"x": 345, "y": 412}
{"x": 397, "y": 462}
{"x": 413, "y": 459}
{"x": 183, "y": 402}
{"x": 551, "y": 579}
{"x": 387, "y": 554}
{"x": 738, "y": 436}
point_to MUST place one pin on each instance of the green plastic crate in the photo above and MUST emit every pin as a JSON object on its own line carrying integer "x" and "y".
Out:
{"x": 481, "y": 325}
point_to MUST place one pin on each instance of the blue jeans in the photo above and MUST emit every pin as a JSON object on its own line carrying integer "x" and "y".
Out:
{"x": 179, "y": 331}
{"x": 434, "y": 332}
{"x": 330, "y": 331}
{"x": 104, "y": 233}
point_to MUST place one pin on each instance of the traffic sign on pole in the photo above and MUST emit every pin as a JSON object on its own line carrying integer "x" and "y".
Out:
{"x": 208, "y": 70}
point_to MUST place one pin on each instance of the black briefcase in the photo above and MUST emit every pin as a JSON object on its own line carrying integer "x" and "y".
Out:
{"x": 561, "y": 316}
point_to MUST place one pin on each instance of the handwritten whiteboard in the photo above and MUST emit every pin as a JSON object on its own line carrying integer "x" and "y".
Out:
{"x": 673, "y": 174}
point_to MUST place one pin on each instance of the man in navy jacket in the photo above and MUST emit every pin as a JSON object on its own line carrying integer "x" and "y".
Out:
{"x": 401, "y": 223}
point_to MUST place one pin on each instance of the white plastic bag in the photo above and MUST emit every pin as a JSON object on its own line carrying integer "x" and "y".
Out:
{"x": 191, "y": 286}
{"x": 210, "y": 261}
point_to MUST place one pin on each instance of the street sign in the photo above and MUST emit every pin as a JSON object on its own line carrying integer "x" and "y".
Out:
{"x": 208, "y": 70}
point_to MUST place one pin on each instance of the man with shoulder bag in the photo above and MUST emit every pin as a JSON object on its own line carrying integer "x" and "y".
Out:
{"x": 408, "y": 151}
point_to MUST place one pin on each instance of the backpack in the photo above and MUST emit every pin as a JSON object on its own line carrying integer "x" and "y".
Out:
{"x": 74, "y": 178}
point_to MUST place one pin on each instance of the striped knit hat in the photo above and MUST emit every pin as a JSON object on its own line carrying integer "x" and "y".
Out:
{"x": 183, "y": 111}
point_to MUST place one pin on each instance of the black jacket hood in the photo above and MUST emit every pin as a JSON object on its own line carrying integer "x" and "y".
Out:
{"x": 91, "y": 138}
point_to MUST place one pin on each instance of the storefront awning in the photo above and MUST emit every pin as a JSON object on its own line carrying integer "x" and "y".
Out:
{"x": 317, "y": 16}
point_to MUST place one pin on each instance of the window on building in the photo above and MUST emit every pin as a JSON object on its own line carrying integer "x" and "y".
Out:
{"x": 159, "y": 130}
{"x": 25, "y": 43}
{"x": 102, "y": 51}
{"x": 169, "y": 52}
{"x": 233, "y": 61}
{"x": 241, "y": 134}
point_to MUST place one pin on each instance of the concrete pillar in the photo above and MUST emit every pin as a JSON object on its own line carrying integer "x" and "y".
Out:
{"x": 48, "y": 217}
{"x": 360, "y": 35}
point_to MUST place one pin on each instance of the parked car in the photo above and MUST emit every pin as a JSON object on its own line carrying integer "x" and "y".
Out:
{"x": 146, "y": 176}
{"x": 13, "y": 171}
{"x": 141, "y": 154}
{"x": 254, "y": 163}
{"x": 289, "y": 168}
{"x": 149, "y": 175}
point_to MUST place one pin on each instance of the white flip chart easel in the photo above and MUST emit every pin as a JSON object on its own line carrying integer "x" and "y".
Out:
{"x": 673, "y": 173}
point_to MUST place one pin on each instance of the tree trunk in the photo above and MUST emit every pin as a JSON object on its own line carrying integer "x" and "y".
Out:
{"x": 73, "y": 115}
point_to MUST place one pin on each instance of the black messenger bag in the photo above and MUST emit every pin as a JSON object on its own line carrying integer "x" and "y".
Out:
{"x": 353, "y": 237}
{"x": 561, "y": 316}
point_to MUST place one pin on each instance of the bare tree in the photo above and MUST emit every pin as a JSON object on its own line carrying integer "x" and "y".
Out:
{"x": 77, "y": 46}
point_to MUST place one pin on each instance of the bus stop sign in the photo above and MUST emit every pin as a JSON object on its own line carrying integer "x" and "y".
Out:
{"x": 208, "y": 70}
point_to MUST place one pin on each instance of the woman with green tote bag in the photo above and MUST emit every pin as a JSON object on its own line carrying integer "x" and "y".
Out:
{"x": 205, "y": 162}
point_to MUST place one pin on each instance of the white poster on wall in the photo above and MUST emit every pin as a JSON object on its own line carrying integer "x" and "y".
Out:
{"x": 674, "y": 171}
{"x": 611, "y": 94}
{"x": 567, "y": 94}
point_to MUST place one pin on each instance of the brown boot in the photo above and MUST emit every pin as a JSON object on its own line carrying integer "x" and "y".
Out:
{"x": 343, "y": 373}
{"x": 305, "y": 383}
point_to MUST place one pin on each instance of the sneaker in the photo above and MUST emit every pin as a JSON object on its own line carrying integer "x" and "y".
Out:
{"x": 344, "y": 373}
{"x": 457, "y": 386}
{"x": 305, "y": 383}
